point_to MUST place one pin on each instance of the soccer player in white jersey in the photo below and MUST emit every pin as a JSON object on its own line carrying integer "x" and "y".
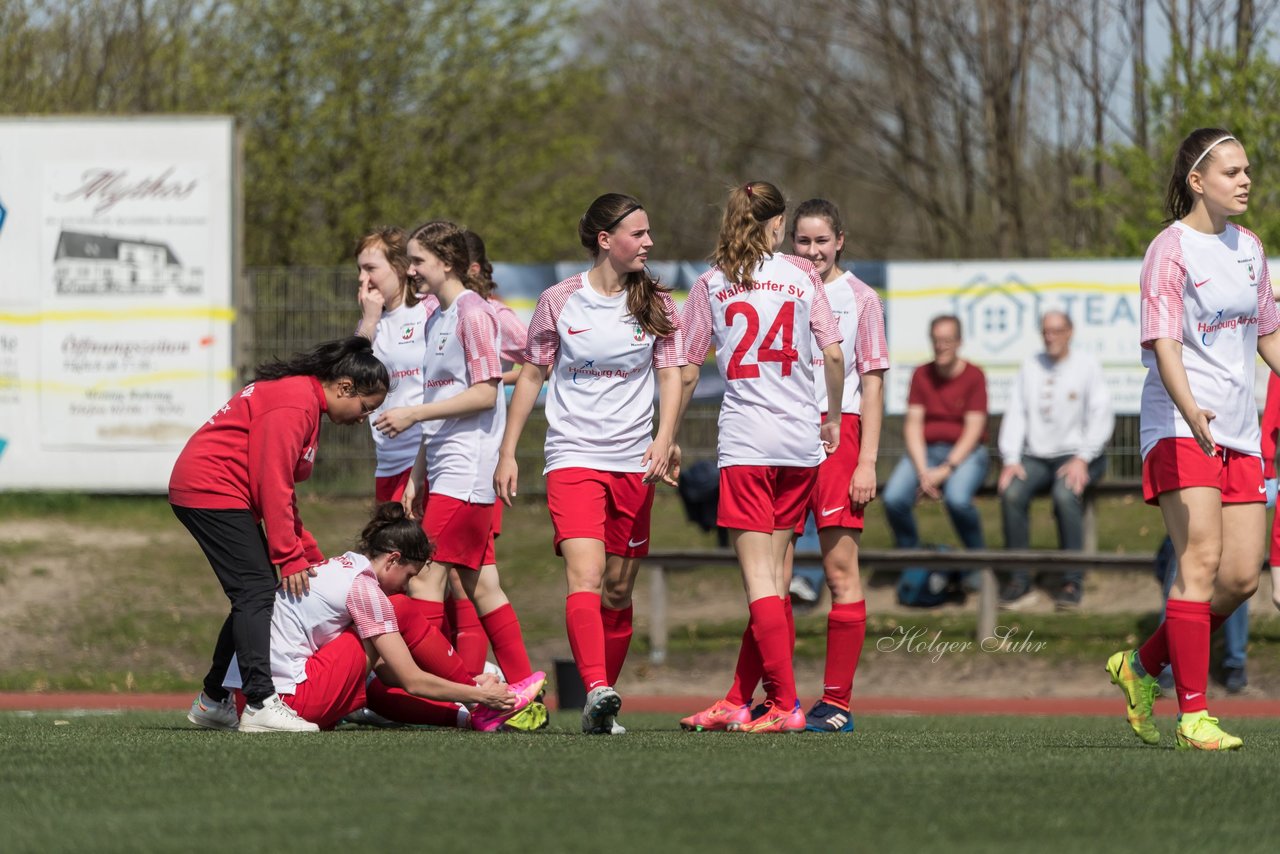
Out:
{"x": 764, "y": 312}
{"x": 604, "y": 339}
{"x": 461, "y": 379}
{"x": 392, "y": 317}
{"x": 847, "y": 478}
{"x": 324, "y": 643}
{"x": 1207, "y": 313}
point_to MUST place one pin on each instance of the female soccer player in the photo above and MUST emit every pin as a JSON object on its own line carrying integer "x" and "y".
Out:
{"x": 392, "y": 318}
{"x": 603, "y": 337}
{"x": 515, "y": 334}
{"x": 236, "y": 474}
{"x": 461, "y": 377}
{"x": 760, "y": 308}
{"x": 847, "y": 478}
{"x": 1207, "y": 310}
{"x": 324, "y": 644}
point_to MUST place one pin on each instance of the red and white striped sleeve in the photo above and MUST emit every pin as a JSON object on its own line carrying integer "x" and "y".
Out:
{"x": 826, "y": 329}
{"x": 1163, "y": 278}
{"x": 870, "y": 347}
{"x": 370, "y": 609}
{"x": 544, "y": 339}
{"x": 478, "y": 334}
{"x": 515, "y": 335}
{"x": 696, "y": 321}
{"x": 668, "y": 351}
{"x": 1268, "y": 319}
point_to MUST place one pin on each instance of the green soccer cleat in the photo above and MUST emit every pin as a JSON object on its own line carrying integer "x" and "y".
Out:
{"x": 1140, "y": 694}
{"x": 1198, "y": 731}
{"x": 531, "y": 717}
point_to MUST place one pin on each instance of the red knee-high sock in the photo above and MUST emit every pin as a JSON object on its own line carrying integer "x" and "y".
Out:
{"x": 1188, "y": 630}
{"x": 401, "y": 706}
{"x": 503, "y": 628}
{"x": 748, "y": 672}
{"x": 1154, "y": 654}
{"x": 846, "y": 631}
{"x": 769, "y": 627}
{"x": 585, "y": 626}
{"x": 791, "y": 623}
{"x": 431, "y": 649}
{"x": 468, "y": 637}
{"x": 617, "y": 639}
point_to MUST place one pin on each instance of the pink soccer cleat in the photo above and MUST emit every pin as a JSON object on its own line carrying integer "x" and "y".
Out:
{"x": 773, "y": 719}
{"x": 716, "y": 718}
{"x": 484, "y": 719}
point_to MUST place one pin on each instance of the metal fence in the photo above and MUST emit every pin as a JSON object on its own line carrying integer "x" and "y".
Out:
{"x": 292, "y": 309}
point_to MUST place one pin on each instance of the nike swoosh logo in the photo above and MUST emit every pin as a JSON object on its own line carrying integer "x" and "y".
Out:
{"x": 573, "y": 331}
{"x": 1262, "y": 490}
{"x": 1192, "y": 696}
{"x": 631, "y": 544}
{"x": 1205, "y": 282}
{"x": 826, "y": 513}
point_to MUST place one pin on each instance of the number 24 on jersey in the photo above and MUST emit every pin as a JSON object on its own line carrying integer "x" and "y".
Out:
{"x": 781, "y": 333}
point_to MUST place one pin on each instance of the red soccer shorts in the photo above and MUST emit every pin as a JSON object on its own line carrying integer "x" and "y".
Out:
{"x": 462, "y": 531}
{"x": 830, "y": 502}
{"x": 391, "y": 487}
{"x": 610, "y": 506}
{"x": 1179, "y": 464}
{"x": 764, "y": 498}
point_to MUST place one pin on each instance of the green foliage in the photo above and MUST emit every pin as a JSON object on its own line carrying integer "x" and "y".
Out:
{"x": 354, "y": 114}
{"x": 1218, "y": 92}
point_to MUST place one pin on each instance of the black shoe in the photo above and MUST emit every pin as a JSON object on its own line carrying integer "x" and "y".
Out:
{"x": 1068, "y": 597}
{"x": 1017, "y": 593}
{"x": 1234, "y": 680}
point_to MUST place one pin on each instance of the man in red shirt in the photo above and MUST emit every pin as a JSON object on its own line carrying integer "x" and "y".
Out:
{"x": 945, "y": 436}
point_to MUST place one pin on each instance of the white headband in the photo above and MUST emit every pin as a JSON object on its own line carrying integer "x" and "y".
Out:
{"x": 1205, "y": 153}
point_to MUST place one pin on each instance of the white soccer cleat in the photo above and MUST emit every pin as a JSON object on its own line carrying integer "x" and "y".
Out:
{"x": 602, "y": 703}
{"x": 274, "y": 716}
{"x": 210, "y": 715}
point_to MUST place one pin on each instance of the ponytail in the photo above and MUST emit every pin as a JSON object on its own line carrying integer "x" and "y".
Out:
{"x": 346, "y": 358}
{"x": 391, "y": 530}
{"x": 743, "y": 241}
{"x": 479, "y": 257}
{"x": 644, "y": 291}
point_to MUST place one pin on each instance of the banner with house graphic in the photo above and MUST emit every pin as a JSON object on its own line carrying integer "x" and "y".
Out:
{"x": 115, "y": 296}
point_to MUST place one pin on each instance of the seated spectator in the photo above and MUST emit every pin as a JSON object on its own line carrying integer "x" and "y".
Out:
{"x": 1051, "y": 440}
{"x": 945, "y": 434}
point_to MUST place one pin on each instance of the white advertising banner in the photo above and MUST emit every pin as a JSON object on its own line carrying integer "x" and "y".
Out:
{"x": 115, "y": 296}
{"x": 999, "y": 304}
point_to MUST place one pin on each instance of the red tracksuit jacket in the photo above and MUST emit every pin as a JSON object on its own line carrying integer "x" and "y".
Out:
{"x": 249, "y": 455}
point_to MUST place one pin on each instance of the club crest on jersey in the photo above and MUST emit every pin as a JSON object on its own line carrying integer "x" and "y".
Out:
{"x": 637, "y": 334}
{"x": 1250, "y": 268}
{"x": 406, "y": 333}
{"x": 444, "y": 339}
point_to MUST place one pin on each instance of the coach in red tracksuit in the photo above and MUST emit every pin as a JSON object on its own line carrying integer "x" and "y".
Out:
{"x": 237, "y": 474}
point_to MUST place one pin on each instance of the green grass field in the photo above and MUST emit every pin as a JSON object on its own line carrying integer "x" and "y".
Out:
{"x": 148, "y": 782}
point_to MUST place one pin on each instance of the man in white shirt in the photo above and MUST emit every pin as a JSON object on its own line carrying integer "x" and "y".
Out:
{"x": 1052, "y": 438}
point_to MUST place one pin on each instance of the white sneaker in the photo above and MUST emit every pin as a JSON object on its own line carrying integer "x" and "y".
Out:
{"x": 274, "y": 716}
{"x": 210, "y": 715}
{"x": 602, "y": 703}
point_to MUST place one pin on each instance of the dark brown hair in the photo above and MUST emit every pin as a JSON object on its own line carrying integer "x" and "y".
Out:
{"x": 346, "y": 358}
{"x": 644, "y": 291}
{"x": 391, "y": 530}
{"x": 743, "y": 241}
{"x": 448, "y": 242}
{"x": 475, "y": 248}
{"x": 1179, "y": 200}
{"x": 392, "y": 241}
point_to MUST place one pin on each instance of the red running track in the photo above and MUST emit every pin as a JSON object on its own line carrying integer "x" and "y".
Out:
{"x": 676, "y": 705}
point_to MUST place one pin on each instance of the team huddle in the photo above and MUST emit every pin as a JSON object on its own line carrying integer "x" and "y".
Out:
{"x": 398, "y": 630}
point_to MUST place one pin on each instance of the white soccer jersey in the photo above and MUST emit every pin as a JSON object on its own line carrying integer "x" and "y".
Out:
{"x": 462, "y": 350}
{"x": 600, "y": 398}
{"x": 1212, "y": 292}
{"x": 399, "y": 344}
{"x": 861, "y": 317}
{"x": 343, "y": 592}
{"x": 764, "y": 349}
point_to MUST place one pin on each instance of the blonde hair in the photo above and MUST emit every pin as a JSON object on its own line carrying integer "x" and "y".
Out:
{"x": 744, "y": 241}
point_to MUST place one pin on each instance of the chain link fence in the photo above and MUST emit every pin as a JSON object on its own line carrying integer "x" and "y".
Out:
{"x": 291, "y": 309}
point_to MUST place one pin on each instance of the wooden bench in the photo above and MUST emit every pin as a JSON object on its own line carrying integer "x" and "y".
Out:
{"x": 986, "y": 561}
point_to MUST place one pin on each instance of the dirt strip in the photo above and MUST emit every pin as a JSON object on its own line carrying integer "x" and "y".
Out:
{"x": 1089, "y": 706}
